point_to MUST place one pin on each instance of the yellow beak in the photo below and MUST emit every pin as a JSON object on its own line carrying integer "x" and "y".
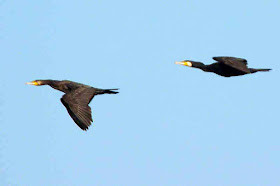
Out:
{"x": 32, "y": 83}
{"x": 185, "y": 63}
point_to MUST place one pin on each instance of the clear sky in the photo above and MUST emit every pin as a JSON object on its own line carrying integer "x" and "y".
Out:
{"x": 169, "y": 125}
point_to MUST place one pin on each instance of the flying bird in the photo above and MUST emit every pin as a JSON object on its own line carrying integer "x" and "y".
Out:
{"x": 76, "y": 98}
{"x": 225, "y": 66}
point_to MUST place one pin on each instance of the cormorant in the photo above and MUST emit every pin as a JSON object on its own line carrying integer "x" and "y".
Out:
{"x": 76, "y": 98}
{"x": 225, "y": 66}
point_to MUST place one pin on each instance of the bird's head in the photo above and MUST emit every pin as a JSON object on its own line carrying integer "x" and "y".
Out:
{"x": 190, "y": 63}
{"x": 36, "y": 82}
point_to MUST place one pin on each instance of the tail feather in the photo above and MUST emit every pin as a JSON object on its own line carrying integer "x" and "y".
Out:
{"x": 107, "y": 91}
{"x": 110, "y": 91}
{"x": 252, "y": 70}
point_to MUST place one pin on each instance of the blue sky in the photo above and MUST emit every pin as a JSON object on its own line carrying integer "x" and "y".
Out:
{"x": 170, "y": 125}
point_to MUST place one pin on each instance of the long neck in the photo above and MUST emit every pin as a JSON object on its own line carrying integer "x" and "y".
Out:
{"x": 46, "y": 82}
{"x": 53, "y": 83}
{"x": 201, "y": 66}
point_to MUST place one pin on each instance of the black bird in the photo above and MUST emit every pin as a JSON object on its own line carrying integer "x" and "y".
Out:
{"x": 76, "y": 98}
{"x": 225, "y": 66}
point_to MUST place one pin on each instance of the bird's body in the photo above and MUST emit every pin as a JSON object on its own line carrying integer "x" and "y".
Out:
{"x": 76, "y": 98}
{"x": 225, "y": 66}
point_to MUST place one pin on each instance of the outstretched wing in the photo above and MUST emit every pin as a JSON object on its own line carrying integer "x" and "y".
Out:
{"x": 76, "y": 103}
{"x": 234, "y": 62}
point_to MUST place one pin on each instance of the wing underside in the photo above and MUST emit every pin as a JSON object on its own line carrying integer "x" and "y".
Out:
{"x": 76, "y": 104}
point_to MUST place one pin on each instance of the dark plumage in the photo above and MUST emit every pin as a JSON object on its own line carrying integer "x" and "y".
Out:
{"x": 76, "y": 98}
{"x": 225, "y": 66}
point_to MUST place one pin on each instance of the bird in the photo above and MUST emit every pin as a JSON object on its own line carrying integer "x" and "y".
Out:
{"x": 76, "y": 98}
{"x": 225, "y": 66}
